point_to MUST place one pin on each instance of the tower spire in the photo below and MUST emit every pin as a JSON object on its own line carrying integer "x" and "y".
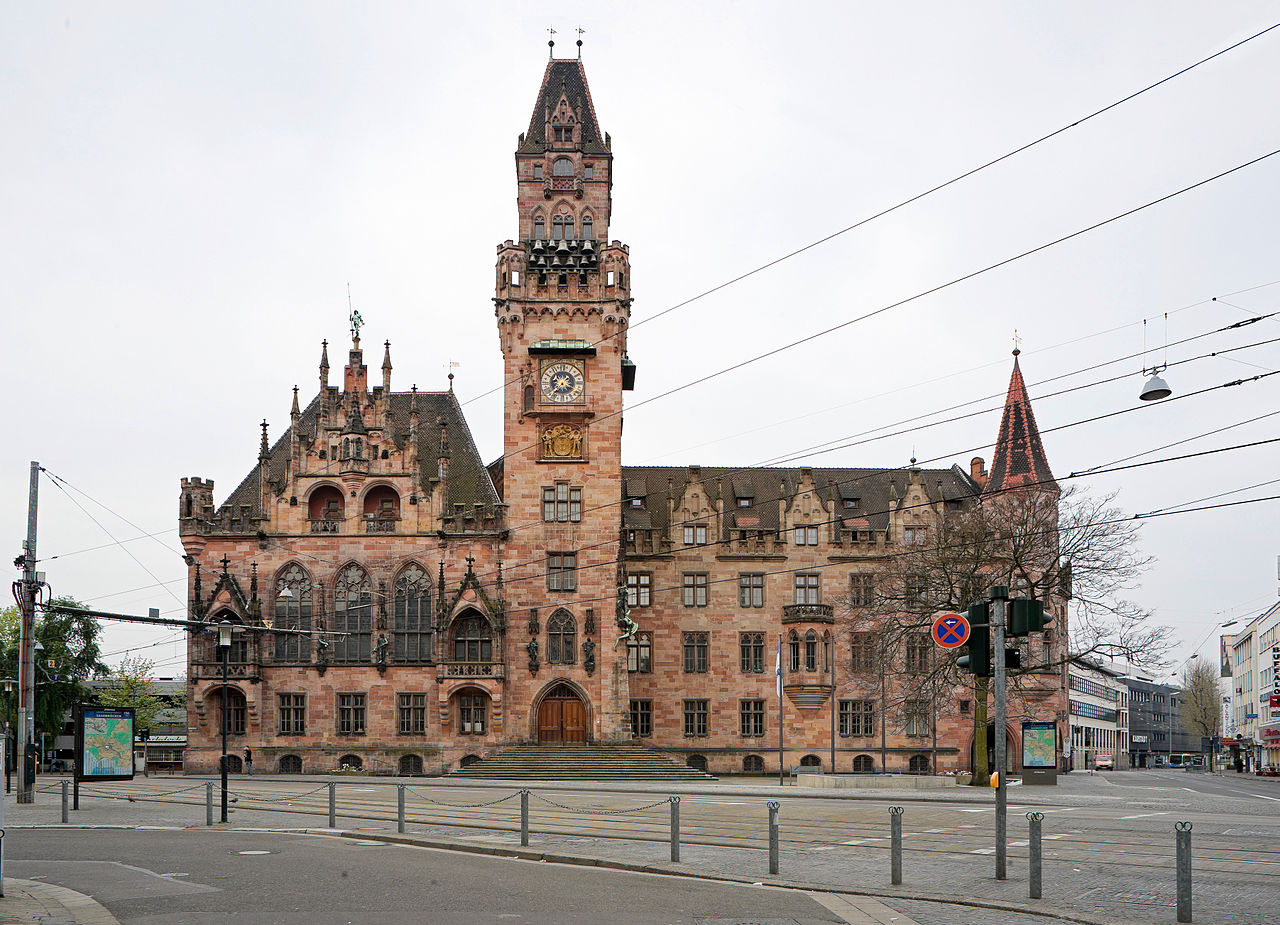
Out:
{"x": 1019, "y": 457}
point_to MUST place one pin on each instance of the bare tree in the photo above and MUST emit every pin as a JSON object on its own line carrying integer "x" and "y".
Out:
{"x": 1075, "y": 552}
{"x": 1200, "y": 702}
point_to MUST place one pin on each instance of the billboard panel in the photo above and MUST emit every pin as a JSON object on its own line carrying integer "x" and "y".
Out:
{"x": 1039, "y": 745}
{"x": 104, "y": 743}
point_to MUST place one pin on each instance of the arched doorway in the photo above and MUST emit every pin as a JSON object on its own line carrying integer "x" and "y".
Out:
{"x": 562, "y": 716}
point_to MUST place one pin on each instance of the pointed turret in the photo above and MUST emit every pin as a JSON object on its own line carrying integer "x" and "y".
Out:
{"x": 386, "y": 369}
{"x": 324, "y": 365}
{"x": 1019, "y": 458}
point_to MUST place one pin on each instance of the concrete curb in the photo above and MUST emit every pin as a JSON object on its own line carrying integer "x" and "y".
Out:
{"x": 31, "y": 901}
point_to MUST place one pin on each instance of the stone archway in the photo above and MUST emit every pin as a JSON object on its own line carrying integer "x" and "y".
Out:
{"x": 562, "y": 716}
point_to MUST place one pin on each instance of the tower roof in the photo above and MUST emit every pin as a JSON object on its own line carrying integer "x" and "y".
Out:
{"x": 1019, "y": 457}
{"x": 569, "y": 78}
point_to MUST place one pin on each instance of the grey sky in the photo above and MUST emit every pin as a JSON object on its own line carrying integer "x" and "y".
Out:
{"x": 186, "y": 192}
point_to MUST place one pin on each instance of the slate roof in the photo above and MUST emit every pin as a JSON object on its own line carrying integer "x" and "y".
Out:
{"x": 469, "y": 480}
{"x": 1019, "y": 458}
{"x": 573, "y": 78}
{"x": 765, "y": 486}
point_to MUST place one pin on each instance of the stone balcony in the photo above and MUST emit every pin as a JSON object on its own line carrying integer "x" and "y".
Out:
{"x": 808, "y": 613}
{"x": 493, "y": 670}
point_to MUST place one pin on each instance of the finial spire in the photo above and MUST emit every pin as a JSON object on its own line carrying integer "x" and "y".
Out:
{"x": 551, "y": 44}
{"x": 324, "y": 354}
{"x": 580, "y": 34}
{"x": 264, "y": 451}
{"x": 1017, "y": 343}
{"x": 294, "y": 410}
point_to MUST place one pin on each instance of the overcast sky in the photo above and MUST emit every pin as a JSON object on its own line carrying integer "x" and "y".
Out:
{"x": 186, "y": 191}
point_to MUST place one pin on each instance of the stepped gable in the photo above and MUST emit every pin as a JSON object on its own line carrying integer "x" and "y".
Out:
{"x": 469, "y": 479}
{"x": 567, "y": 78}
{"x": 869, "y": 488}
{"x": 1019, "y": 457}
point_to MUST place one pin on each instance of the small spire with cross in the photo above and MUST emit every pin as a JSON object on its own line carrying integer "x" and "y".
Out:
{"x": 226, "y": 563}
{"x": 470, "y": 561}
{"x": 1017, "y": 343}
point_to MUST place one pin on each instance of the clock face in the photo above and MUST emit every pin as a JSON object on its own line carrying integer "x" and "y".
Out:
{"x": 562, "y": 383}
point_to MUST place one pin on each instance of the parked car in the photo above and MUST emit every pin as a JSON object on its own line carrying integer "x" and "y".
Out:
{"x": 1104, "y": 763}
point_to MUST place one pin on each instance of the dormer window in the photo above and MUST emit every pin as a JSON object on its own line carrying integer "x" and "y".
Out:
{"x": 744, "y": 502}
{"x": 850, "y": 504}
{"x": 563, "y": 133}
{"x": 637, "y": 502}
{"x": 563, "y": 167}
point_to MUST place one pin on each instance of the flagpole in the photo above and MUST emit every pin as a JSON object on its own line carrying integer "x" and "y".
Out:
{"x": 777, "y": 670}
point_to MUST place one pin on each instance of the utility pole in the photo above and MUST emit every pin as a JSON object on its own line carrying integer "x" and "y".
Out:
{"x": 26, "y": 644}
{"x": 1000, "y": 600}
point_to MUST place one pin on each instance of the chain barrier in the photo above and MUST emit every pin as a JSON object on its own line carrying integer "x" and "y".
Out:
{"x": 142, "y": 796}
{"x": 603, "y": 812}
{"x": 462, "y": 805}
{"x": 245, "y": 795}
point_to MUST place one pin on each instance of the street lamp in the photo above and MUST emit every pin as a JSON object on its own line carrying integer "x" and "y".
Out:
{"x": 8, "y": 759}
{"x": 224, "y": 649}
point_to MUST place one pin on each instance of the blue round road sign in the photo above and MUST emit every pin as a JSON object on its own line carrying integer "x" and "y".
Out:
{"x": 950, "y": 630}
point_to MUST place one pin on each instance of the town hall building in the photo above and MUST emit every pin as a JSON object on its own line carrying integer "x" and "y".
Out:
{"x": 399, "y": 605}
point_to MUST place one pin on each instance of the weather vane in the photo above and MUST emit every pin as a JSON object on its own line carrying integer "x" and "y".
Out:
{"x": 1017, "y": 343}
{"x": 551, "y": 44}
{"x": 580, "y": 31}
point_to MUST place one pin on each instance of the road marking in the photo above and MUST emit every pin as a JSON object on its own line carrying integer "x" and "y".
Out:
{"x": 983, "y": 810}
{"x": 1144, "y": 815}
{"x": 983, "y": 851}
{"x": 1019, "y": 844}
{"x": 1053, "y": 836}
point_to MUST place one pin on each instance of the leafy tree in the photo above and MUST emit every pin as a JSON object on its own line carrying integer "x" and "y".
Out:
{"x": 1200, "y": 701}
{"x": 130, "y": 685}
{"x": 71, "y": 654}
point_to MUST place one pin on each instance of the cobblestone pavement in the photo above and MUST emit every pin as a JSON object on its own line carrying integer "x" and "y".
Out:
{"x": 1089, "y": 877}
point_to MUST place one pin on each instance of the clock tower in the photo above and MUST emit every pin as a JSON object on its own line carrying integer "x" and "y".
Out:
{"x": 562, "y": 305}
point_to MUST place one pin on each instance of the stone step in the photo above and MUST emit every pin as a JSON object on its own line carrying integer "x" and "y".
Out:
{"x": 579, "y": 762}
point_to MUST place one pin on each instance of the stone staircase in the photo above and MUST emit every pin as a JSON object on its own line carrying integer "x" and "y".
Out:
{"x": 580, "y": 762}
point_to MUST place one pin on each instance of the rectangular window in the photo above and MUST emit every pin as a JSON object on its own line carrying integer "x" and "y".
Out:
{"x": 915, "y": 535}
{"x": 537, "y": 171}
{"x": 744, "y": 502}
{"x": 915, "y": 589}
{"x": 807, "y": 588}
{"x": 642, "y": 717}
{"x": 917, "y": 718}
{"x": 751, "y": 652}
{"x": 351, "y": 709}
{"x": 471, "y": 710}
{"x": 562, "y": 571}
{"x": 918, "y": 651}
{"x": 608, "y": 278}
{"x": 413, "y": 714}
{"x": 806, "y": 536}
{"x": 561, "y": 503}
{"x": 696, "y": 653}
{"x": 640, "y": 653}
{"x": 293, "y": 714}
{"x": 862, "y": 589}
{"x": 695, "y": 535}
{"x": 695, "y": 589}
{"x": 751, "y": 718}
{"x": 857, "y": 718}
{"x": 863, "y": 654}
{"x": 588, "y": 172}
{"x": 695, "y": 718}
{"x": 638, "y": 586}
{"x": 751, "y": 589}
{"x": 515, "y": 277}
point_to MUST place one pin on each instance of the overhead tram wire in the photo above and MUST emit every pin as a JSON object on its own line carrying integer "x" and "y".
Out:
{"x": 919, "y": 196}
{"x": 132, "y": 539}
{"x": 65, "y": 485}
{"x": 913, "y": 298}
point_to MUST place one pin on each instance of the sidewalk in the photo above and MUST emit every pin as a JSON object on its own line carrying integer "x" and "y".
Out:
{"x": 29, "y": 902}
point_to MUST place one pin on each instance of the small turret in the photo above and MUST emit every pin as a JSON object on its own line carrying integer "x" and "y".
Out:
{"x": 386, "y": 369}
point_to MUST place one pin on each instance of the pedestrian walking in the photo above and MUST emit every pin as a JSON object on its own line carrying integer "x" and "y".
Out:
{"x": 248, "y": 761}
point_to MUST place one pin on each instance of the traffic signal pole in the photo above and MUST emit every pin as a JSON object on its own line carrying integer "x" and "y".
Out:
{"x": 999, "y": 601}
{"x": 26, "y": 646}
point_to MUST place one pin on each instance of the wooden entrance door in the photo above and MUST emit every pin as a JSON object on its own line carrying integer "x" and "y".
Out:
{"x": 562, "y": 717}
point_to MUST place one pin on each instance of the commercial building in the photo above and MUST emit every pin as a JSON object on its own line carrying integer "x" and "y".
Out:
{"x": 1250, "y": 659}
{"x": 1099, "y": 709}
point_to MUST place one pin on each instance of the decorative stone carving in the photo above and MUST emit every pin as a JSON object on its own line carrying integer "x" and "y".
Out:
{"x": 562, "y": 441}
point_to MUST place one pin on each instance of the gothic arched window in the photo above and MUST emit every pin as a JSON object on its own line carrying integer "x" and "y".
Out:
{"x": 587, "y": 232}
{"x": 793, "y": 652}
{"x": 563, "y": 167}
{"x": 352, "y": 615}
{"x": 293, "y": 612}
{"x": 562, "y": 227}
{"x": 412, "y": 615}
{"x": 561, "y": 633}
{"x": 811, "y": 651}
{"x": 539, "y": 228}
{"x": 472, "y": 640}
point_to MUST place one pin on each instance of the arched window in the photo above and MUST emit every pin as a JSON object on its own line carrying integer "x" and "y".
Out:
{"x": 539, "y": 228}
{"x": 350, "y": 763}
{"x": 234, "y": 718}
{"x": 640, "y": 653}
{"x": 410, "y": 765}
{"x": 290, "y": 764}
{"x": 472, "y": 640}
{"x": 234, "y": 764}
{"x": 793, "y": 652}
{"x": 587, "y": 231}
{"x": 919, "y": 764}
{"x": 468, "y": 760}
{"x": 810, "y": 761}
{"x": 753, "y": 764}
{"x": 811, "y": 651}
{"x": 352, "y": 615}
{"x": 864, "y": 764}
{"x": 561, "y": 633}
{"x": 325, "y": 503}
{"x": 472, "y": 706}
{"x": 412, "y": 615}
{"x": 238, "y": 653}
{"x": 563, "y": 167}
{"x": 697, "y": 762}
{"x": 562, "y": 227}
{"x": 382, "y": 504}
{"x": 293, "y": 612}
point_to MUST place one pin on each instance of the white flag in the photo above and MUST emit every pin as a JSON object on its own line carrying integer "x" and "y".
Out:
{"x": 777, "y": 668}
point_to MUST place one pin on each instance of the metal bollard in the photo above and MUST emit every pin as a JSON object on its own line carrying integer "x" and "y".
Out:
{"x": 400, "y": 809}
{"x": 524, "y": 818}
{"x": 65, "y": 786}
{"x": 208, "y": 803}
{"x": 773, "y": 837}
{"x": 1035, "y": 819}
{"x": 675, "y": 829}
{"x": 1182, "y": 832}
{"x": 333, "y": 805}
{"x": 895, "y": 844}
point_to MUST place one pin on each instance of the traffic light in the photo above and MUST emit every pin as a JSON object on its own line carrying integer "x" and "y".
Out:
{"x": 977, "y": 657}
{"x": 1027, "y": 617}
{"x": 1012, "y": 657}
